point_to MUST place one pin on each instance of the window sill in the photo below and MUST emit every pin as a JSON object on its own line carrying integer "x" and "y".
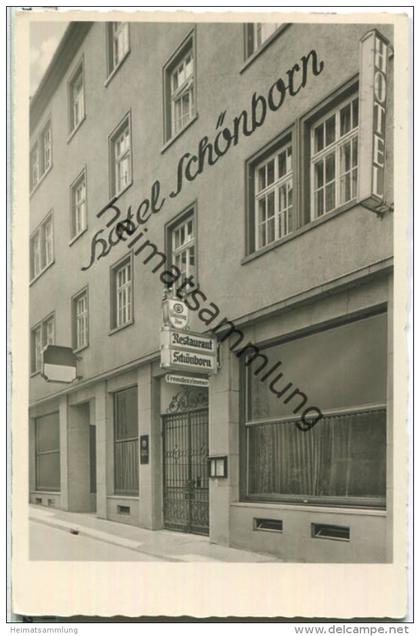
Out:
{"x": 74, "y": 131}
{"x": 45, "y": 492}
{"x": 81, "y": 348}
{"x": 38, "y": 276}
{"x": 74, "y": 239}
{"x": 263, "y": 47}
{"x": 117, "y": 329}
{"x": 305, "y": 228}
{"x": 116, "y": 69}
{"x": 40, "y": 180}
{"x": 178, "y": 134}
{"x": 131, "y": 497}
{"x": 341, "y": 510}
{"x": 119, "y": 194}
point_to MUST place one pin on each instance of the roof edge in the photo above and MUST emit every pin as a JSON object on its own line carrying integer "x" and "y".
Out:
{"x": 72, "y": 38}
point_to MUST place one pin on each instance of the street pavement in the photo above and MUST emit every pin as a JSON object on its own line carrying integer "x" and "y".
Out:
{"x": 71, "y": 536}
{"x": 47, "y": 543}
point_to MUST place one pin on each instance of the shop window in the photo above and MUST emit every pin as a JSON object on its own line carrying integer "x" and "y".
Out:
{"x": 257, "y": 33}
{"x": 122, "y": 294}
{"x": 47, "y": 452}
{"x": 41, "y": 336}
{"x": 183, "y": 248}
{"x": 126, "y": 459}
{"x": 42, "y": 246}
{"x": 118, "y": 44}
{"x": 79, "y": 205}
{"x": 342, "y": 459}
{"x": 80, "y": 315}
{"x": 76, "y": 98}
{"x": 180, "y": 89}
{"x": 334, "y": 158}
{"x": 121, "y": 157}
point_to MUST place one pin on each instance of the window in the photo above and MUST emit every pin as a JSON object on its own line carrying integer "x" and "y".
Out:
{"x": 180, "y": 82}
{"x": 334, "y": 161}
{"x": 42, "y": 335}
{"x": 47, "y": 452}
{"x": 274, "y": 197}
{"x": 42, "y": 247}
{"x": 35, "y": 172}
{"x": 126, "y": 460}
{"x": 77, "y": 98}
{"x": 257, "y": 33}
{"x": 122, "y": 292}
{"x": 183, "y": 248}
{"x": 41, "y": 156}
{"x": 46, "y": 148}
{"x": 121, "y": 157}
{"x": 80, "y": 320}
{"x": 342, "y": 459}
{"x": 118, "y": 44}
{"x": 79, "y": 205}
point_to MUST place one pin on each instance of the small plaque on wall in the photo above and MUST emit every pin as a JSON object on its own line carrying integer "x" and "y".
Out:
{"x": 144, "y": 449}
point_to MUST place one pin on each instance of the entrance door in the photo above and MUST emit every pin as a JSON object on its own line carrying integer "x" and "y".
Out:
{"x": 185, "y": 471}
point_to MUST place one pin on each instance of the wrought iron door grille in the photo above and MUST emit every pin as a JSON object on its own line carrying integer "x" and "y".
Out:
{"x": 185, "y": 471}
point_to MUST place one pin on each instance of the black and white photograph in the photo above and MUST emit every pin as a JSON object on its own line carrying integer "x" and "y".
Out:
{"x": 211, "y": 308}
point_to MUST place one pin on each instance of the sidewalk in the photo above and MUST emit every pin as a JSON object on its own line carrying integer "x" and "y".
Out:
{"x": 161, "y": 544}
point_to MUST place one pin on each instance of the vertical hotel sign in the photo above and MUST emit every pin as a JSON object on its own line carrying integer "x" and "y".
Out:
{"x": 373, "y": 90}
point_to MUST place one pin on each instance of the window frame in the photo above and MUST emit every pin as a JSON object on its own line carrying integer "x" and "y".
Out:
{"x": 84, "y": 292}
{"x": 40, "y": 326}
{"x": 249, "y": 56}
{"x": 123, "y": 261}
{"x": 38, "y": 453}
{"x": 189, "y": 212}
{"x": 110, "y": 66}
{"x": 38, "y": 146}
{"x": 78, "y": 69}
{"x": 333, "y": 148}
{"x": 373, "y": 503}
{"x": 116, "y": 132}
{"x": 73, "y": 234}
{"x": 188, "y": 45}
{"x": 40, "y": 231}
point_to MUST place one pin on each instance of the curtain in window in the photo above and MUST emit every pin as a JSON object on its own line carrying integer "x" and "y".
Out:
{"x": 342, "y": 456}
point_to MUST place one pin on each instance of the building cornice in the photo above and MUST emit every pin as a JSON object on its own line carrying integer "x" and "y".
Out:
{"x": 62, "y": 58}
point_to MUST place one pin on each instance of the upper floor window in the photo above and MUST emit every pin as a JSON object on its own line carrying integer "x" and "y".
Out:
{"x": 118, "y": 44}
{"x": 42, "y": 246}
{"x": 41, "y": 336}
{"x": 79, "y": 205}
{"x": 334, "y": 158}
{"x": 46, "y": 148}
{"x": 257, "y": 33}
{"x": 322, "y": 158}
{"x": 80, "y": 320}
{"x": 274, "y": 196}
{"x": 180, "y": 91}
{"x": 121, "y": 157}
{"x": 77, "y": 98}
{"x": 122, "y": 294}
{"x": 183, "y": 248}
{"x": 41, "y": 156}
{"x": 35, "y": 172}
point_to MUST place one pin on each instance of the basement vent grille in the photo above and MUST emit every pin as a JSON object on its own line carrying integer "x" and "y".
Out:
{"x": 123, "y": 510}
{"x": 325, "y": 531}
{"x": 270, "y": 525}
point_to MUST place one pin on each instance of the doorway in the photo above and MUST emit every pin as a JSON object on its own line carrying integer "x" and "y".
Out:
{"x": 185, "y": 470}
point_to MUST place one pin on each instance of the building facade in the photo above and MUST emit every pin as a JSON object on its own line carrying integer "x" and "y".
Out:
{"x": 255, "y": 161}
